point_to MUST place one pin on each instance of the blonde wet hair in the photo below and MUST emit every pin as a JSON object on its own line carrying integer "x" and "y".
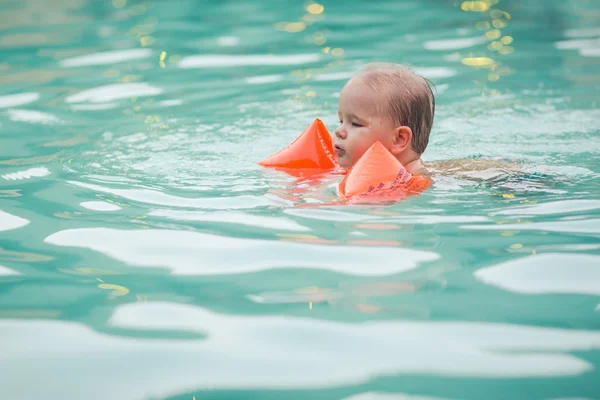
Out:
{"x": 409, "y": 99}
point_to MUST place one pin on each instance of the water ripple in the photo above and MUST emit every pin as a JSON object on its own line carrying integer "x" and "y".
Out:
{"x": 26, "y": 174}
{"x": 591, "y": 225}
{"x": 215, "y": 60}
{"x": 7, "y": 271}
{"x": 117, "y": 91}
{"x": 389, "y": 396}
{"x": 16, "y": 100}
{"x": 269, "y": 353}
{"x": 555, "y": 207}
{"x": 107, "y": 57}
{"x": 454, "y": 44}
{"x": 9, "y": 221}
{"x": 262, "y": 79}
{"x": 546, "y": 273}
{"x": 155, "y": 197}
{"x": 582, "y": 32}
{"x": 230, "y": 217}
{"x": 193, "y": 253}
{"x": 33, "y": 117}
{"x": 99, "y": 206}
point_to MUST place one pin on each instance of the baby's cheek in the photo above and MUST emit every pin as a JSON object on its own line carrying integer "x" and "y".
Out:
{"x": 362, "y": 148}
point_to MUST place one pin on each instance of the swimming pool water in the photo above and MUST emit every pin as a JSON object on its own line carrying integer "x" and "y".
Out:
{"x": 145, "y": 255}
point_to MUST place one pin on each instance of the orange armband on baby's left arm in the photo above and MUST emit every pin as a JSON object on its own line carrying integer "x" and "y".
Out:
{"x": 379, "y": 173}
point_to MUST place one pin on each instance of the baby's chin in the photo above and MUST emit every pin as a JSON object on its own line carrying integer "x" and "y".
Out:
{"x": 345, "y": 162}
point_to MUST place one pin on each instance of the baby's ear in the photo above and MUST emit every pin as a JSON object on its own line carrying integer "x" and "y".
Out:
{"x": 402, "y": 139}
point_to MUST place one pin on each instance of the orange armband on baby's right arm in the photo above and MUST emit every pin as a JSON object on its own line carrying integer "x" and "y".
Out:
{"x": 310, "y": 154}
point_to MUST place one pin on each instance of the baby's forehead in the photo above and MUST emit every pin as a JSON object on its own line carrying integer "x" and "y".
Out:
{"x": 357, "y": 90}
{"x": 357, "y": 86}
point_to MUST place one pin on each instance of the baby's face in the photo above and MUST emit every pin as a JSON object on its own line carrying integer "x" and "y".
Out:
{"x": 361, "y": 122}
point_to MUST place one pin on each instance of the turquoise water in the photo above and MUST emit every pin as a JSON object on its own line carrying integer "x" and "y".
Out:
{"x": 145, "y": 255}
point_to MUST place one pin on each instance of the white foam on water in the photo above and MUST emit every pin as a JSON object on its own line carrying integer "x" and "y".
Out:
{"x": 586, "y": 47}
{"x": 577, "y": 44}
{"x": 106, "y": 58}
{"x": 255, "y": 80}
{"x": 7, "y": 271}
{"x": 34, "y": 117}
{"x": 16, "y": 100}
{"x": 546, "y": 273}
{"x": 334, "y": 76}
{"x": 435, "y": 72}
{"x": 113, "y": 92}
{"x": 427, "y": 72}
{"x": 37, "y": 172}
{"x": 194, "y": 253}
{"x": 453, "y": 57}
{"x": 171, "y": 103}
{"x": 228, "y": 41}
{"x": 454, "y": 44}
{"x": 216, "y": 60}
{"x": 94, "y": 107}
{"x": 99, "y": 206}
{"x": 593, "y": 52}
{"x": 582, "y": 32}
{"x": 9, "y": 221}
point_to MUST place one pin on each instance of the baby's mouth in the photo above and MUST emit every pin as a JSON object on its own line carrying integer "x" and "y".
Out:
{"x": 339, "y": 151}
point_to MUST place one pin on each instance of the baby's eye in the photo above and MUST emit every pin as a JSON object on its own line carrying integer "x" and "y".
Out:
{"x": 341, "y": 122}
{"x": 357, "y": 124}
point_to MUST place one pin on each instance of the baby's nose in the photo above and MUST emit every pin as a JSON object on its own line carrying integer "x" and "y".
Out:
{"x": 340, "y": 133}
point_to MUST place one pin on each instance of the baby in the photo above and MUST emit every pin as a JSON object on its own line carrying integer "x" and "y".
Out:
{"x": 391, "y": 104}
{"x": 387, "y": 103}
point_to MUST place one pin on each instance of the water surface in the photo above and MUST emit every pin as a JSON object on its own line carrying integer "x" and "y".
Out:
{"x": 145, "y": 255}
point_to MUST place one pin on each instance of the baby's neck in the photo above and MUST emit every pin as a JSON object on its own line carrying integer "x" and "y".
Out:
{"x": 416, "y": 167}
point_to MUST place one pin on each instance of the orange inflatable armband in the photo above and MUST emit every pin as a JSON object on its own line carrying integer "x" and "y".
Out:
{"x": 310, "y": 154}
{"x": 379, "y": 172}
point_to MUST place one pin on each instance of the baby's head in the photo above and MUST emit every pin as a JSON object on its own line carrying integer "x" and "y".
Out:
{"x": 387, "y": 103}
